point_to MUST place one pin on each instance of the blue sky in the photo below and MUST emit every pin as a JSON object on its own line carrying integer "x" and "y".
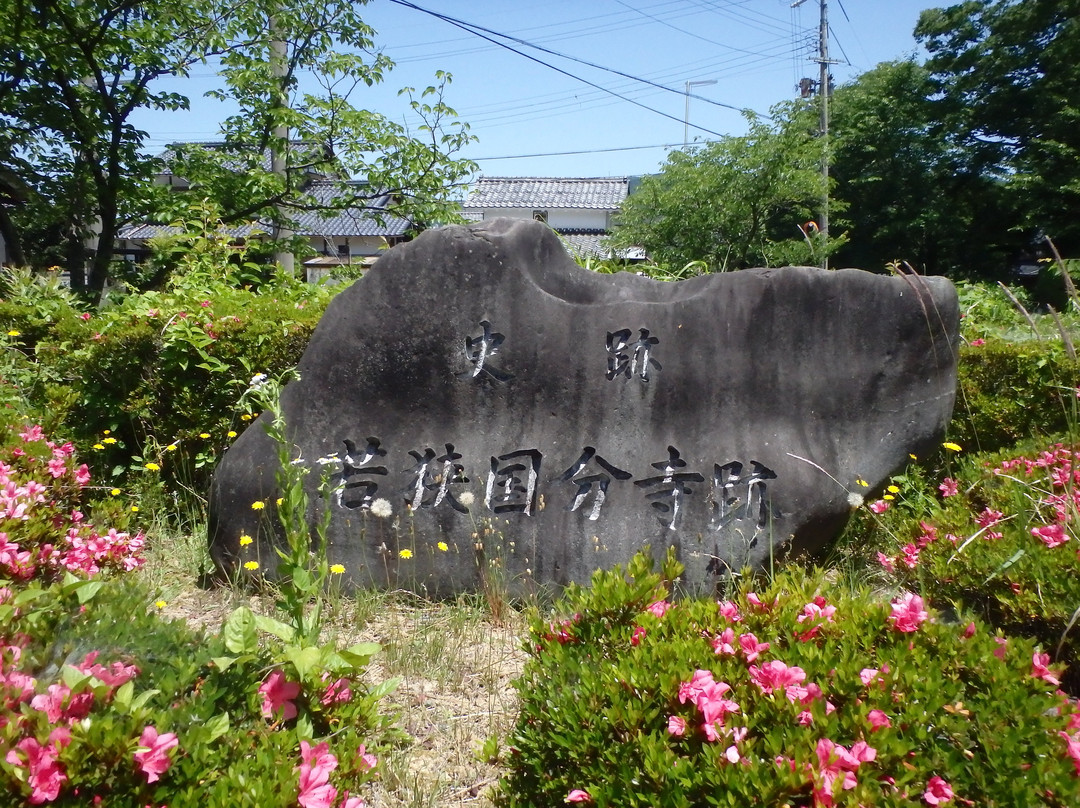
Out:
{"x": 755, "y": 51}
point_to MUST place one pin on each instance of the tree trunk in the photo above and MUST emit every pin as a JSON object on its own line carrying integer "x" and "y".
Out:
{"x": 12, "y": 241}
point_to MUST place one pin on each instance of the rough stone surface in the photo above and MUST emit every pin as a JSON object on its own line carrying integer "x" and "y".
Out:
{"x": 538, "y": 420}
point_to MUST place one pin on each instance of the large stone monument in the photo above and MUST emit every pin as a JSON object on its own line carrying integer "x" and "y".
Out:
{"x": 487, "y": 407}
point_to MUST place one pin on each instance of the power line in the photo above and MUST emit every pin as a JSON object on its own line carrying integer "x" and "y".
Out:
{"x": 484, "y": 33}
{"x": 580, "y": 151}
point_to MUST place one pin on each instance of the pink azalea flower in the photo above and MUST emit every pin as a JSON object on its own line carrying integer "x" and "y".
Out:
{"x": 911, "y": 556}
{"x": 886, "y": 562}
{"x": 577, "y": 795}
{"x": 999, "y": 652}
{"x": 937, "y": 792}
{"x": 776, "y": 674}
{"x": 949, "y": 487}
{"x": 989, "y": 517}
{"x": 977, "y": 342}
{"x": 908, "y": 613}
{"x": 868, "y": 675}
{"x": 32, "y": 434}
{"x": 751, "y": 648}
{"x": 729, "y": 611}
{"x": 659, "y": 608}
{"x": 880, "y": 506}
{"x": 1072, "y": 749}
{"x": 46, "y": 772}
{"x": 367, "y": 760}
{"x": 153, "y": 759}
{"x": 1051, "y": 535}
{"x": 676, "y": 726}
{"x": 805, "y": 718}
{"x": 315, "y": 767}
{"x": 725, "y": 643}
{"x": 337, "y": 693}
{"x": 969, "y": 631}
{"x": 639, "y": 632}
{"x": 878, "y": 720}
{"x": 1040, "y": 670}
{"x": 278, "y": 694}
{"x": 82, "y": 475}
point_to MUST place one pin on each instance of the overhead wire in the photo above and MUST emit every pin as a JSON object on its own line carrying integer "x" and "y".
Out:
{"x": 488, "y": 34}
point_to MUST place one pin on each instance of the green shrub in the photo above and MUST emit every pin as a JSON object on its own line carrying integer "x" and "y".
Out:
{"x": 995, "y": 537}
{"x": 102, "y": 702}
{"x": 801, "y": 693}
{"x": 1009, "y": 392}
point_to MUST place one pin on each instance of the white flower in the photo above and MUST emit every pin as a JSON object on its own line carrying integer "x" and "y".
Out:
{"x": 855, "y": 500}
{"x": 381, "y": 508}
{"x": 257, "y": 381}
{"x": 329, "y": 460}
{"x": 466, "y": 499}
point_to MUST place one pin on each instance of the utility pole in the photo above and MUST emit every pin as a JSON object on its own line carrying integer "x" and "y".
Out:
{"x": 824, "y": 90}
{"x": 280, "y": 140}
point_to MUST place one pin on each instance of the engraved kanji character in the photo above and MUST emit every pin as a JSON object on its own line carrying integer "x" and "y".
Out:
{"x": 506, "y": 489}
{"x": 596, "y": 483}
{"x": 673, "y": 487}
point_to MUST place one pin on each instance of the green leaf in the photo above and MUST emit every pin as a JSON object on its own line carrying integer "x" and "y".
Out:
{"x": 223, "y": 663}
{"x": 303, "y": 659}
{"x": 123, "y": 694}
{"x": 142, "y": 698}
{"x": 239, "y": 631}
{"x": 74, "y": 678}
{"x": 217, "y": 726}
{"x": 283, "y": 631}
{"x": 385, "y": 688}
{"x": 360, "y": 655}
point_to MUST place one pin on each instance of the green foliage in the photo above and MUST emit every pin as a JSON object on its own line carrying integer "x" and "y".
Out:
{"x": 1006, "y": 73}
{"x": 911, "y": 193}
{"x": 107, "y": 703}
{"x": 1009, "y": 392}
{"x": 734, "y": 203}
{"x": 74, "y": 72}
{"x": 995, "y": 537}
{"x": 815, "y": 692}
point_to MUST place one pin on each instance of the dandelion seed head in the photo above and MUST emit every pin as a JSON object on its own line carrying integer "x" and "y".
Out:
{"x": 382, "y": 508}
{"x": 467, "y": 499}
{"x": 855, "y": 500}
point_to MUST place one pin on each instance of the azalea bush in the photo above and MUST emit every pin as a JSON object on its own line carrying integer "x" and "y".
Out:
{"x": 106, "y": 703}
{"x": 792, "y": 693}
{"x": 996, "y": 536}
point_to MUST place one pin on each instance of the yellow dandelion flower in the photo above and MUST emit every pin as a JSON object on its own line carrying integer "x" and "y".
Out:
{"x": 160, "y": 604}
{"x": 442, "y": 546}
{"x": 245, "y": 540}
{"x": 108, "y": 440}
{"x": 952, "y": 447}
{"x": 153, "y": 467}
{"x": 230, "y": 434}
{"x": 251, "y": 565}
{"x": 913, "y": 457}
{"x": 107, "y": 432}
{"x": 278, "y": 501}
{"x": 14, "y": 333}
{"x": 337, "y": 569}
{"x": 862, "y": 482}
{"x": 98, "y": 446}
{"x": 245, "y": 417}
{"x": 888, "y": 497}
{"x": 892, "y": 489}
{"x": 171, "y": 447}
{"x": 258, "y": 505}
{"x": 134, "y": 508}
{"x": 115, "y": 492}
{"x": 406, "y": 554}
{"x": 204, "y": 435}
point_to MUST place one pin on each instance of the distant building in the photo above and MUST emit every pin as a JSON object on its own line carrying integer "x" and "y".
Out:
{"x": 579, "y": 209}
{"x": 348, "y": 235}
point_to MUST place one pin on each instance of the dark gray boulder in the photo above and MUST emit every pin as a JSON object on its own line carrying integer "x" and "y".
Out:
{"x": 524, "y": 418}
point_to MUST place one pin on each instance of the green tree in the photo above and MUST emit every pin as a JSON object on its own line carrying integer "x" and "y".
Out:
{"x": 733, "y": 203}
{"x": 72, "y": 73}
{"x": 1008, "y": 75}
{"x": 913, "y": 193}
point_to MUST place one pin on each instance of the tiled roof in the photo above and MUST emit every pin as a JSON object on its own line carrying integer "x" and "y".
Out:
{"x": 584, "y": 243}
{"x": 352, "y": 221}
{"x": 599, "y": 193}
{"x": 147, "y": 231}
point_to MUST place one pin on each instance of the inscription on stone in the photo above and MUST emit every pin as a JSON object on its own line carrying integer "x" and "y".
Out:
{"x": 526, "y": 416}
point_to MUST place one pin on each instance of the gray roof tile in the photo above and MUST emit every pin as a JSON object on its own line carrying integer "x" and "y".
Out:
{"x": 599, "y": 193}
